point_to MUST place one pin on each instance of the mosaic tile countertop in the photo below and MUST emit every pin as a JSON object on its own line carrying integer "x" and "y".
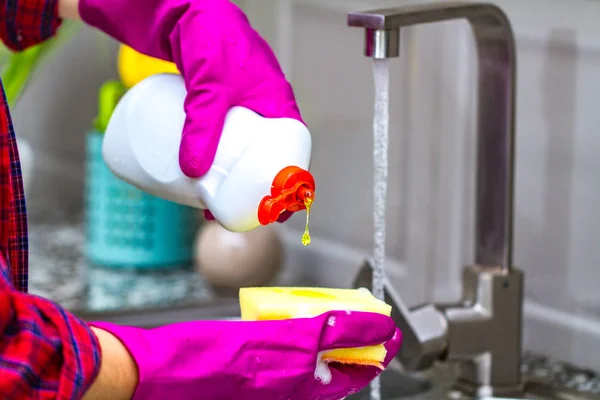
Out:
{"x": 58, "y": 271}
{"x": 558, "y": 374}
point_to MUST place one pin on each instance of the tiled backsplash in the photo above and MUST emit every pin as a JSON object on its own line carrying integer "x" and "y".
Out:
{"x": 431, "y": 149}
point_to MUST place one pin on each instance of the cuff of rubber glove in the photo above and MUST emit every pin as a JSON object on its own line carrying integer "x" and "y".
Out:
{"x": 136, "y": 342}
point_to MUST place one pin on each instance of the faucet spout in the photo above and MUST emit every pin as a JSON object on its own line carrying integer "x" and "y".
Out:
{"x": 481, "y": 332}
{"x": 495, "y": 108}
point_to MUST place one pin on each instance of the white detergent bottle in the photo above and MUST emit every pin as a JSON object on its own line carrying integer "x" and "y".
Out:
{"x": 259, "y": 171}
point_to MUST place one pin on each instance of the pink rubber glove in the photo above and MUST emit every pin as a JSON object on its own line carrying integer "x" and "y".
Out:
{"x": 265, "y": 360}
{"x": 222, "y": 59}
{"x": 284, "y": 216}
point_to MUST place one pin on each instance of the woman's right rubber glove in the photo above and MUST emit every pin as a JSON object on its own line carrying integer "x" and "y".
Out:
{"x": 222, "y": 59}
{"x": 264, "y": 360}
{"x": 284, "y": 216}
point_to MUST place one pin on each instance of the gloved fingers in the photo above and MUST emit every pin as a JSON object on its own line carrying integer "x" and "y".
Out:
{"x": 355, "y": 377}
{"x": 340, "y": 382}
{"x": 392, "y": 346}
{"x": 344, "y": 329}
{"x": 350, "y": 379}
{"x": 206, "y": 108}
{"x": 208, "y": 215}
{"x": 273, "y": 98}
{"x": 284, "y": 216}
{"x": 345, "y": 380}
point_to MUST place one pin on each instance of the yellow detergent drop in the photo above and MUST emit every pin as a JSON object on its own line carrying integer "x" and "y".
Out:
{"x": 306, "y": 236}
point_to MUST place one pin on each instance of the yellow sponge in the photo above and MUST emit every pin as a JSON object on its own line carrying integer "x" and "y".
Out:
{"x": 276, "y": 303}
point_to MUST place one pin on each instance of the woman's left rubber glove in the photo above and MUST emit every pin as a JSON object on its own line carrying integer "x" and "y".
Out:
{"x": 222, "y": 59}
{"x": 264, "y": 360}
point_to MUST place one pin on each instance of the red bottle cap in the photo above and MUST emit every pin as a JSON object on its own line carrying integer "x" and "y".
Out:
{"x": 290, "y": 188}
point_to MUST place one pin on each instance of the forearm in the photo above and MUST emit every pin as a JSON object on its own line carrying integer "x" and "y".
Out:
{"x": 118, "y": 375}
{"x": 46, "y": 351}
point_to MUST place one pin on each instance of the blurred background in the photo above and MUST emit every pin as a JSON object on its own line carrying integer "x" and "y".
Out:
{"x": 557, "y": 224}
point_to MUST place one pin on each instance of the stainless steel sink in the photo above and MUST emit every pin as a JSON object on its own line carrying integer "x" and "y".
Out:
{"x": 435, "y": 384}
{"x": 58, "y": 269}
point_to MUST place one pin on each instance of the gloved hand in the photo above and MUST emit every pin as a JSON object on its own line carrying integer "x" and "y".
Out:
{"x": 284, "y": 216}
{"x": 222, "y": 59}
{"x": 264, "y": 360}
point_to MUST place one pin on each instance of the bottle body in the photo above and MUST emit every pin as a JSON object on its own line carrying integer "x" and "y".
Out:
{"x": 141, "y": 146}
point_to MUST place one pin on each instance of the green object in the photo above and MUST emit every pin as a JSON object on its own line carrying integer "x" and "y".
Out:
{"x": 18, "y": 71}
{"x": 108, "y": 97}
{"x": 20, "y": 67}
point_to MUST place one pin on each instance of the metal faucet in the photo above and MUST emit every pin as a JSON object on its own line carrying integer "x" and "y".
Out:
{"x": 482, "y": 331}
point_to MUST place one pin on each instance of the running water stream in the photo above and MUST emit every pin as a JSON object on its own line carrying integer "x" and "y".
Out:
{"x": 381, "y": 118}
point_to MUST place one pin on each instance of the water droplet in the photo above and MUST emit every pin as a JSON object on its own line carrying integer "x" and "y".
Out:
{"x": 331, "y": 321}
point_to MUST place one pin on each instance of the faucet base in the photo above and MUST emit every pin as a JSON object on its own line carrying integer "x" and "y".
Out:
{"x": 481, "y": 333}
{"x": 484, "y": 331}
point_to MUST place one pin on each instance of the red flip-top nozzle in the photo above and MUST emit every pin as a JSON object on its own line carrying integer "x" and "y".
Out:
{"x": 289, "y": 191}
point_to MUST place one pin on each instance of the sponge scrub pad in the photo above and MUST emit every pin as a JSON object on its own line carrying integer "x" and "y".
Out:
{"x": 277, "y": 303}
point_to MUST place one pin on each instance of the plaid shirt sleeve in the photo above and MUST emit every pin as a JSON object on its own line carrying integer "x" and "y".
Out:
{"x": 25, "y": 23}
{"x": 45, "y": 352}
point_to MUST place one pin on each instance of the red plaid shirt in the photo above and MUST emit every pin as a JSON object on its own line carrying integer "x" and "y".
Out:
{"x": 45, "y": 352}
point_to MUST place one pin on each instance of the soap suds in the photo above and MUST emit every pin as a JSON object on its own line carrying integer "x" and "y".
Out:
{"x": 331, "y": 321}
{"x": 322, "y": 371}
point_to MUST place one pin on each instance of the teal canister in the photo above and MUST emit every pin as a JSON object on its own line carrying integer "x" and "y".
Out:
{"x": 126, "y": 227}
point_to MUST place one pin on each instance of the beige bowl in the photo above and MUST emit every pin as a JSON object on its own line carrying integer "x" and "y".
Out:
{"x": 233, "y": 260}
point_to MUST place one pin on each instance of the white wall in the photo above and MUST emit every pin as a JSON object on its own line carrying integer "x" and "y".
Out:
{"x": 55, "y": 113}
{"x": 557, "y": 227}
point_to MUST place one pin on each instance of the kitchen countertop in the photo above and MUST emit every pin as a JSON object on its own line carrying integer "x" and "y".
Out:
{"x": 58, "y": 271}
